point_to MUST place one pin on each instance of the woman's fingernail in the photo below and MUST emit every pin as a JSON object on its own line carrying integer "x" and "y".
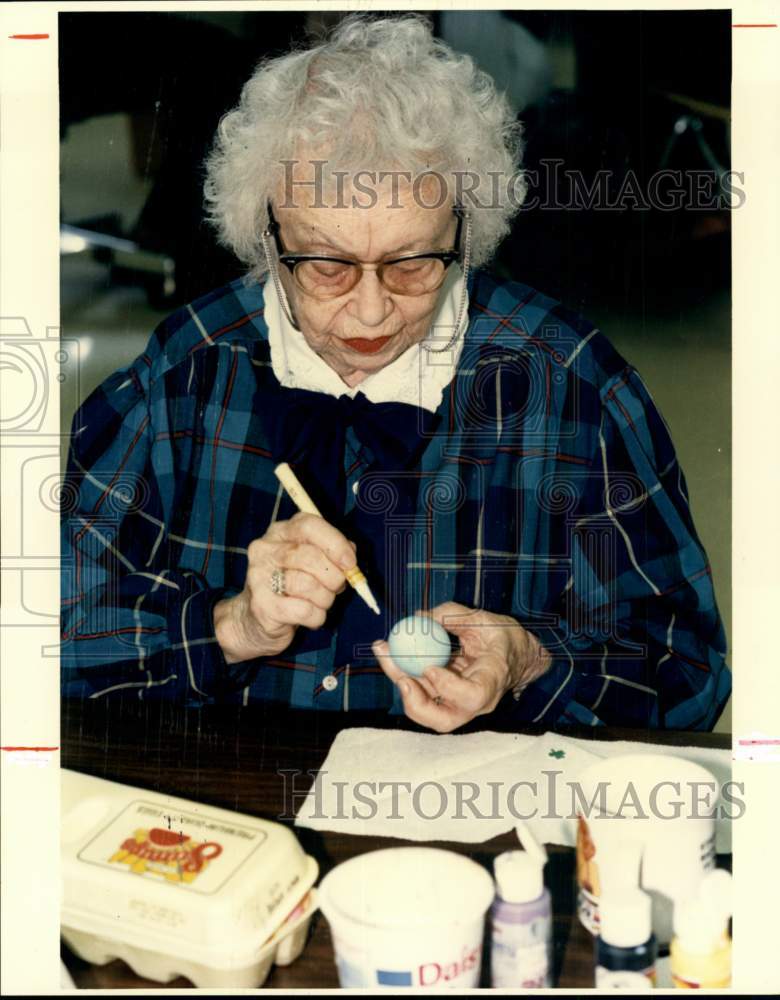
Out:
{"x": 405, "y": 687}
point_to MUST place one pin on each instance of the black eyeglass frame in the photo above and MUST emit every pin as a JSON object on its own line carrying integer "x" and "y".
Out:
{"x": 291, "y": 260}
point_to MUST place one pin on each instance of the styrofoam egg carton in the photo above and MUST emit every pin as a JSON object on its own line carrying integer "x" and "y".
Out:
{"x": 175, "y": 888}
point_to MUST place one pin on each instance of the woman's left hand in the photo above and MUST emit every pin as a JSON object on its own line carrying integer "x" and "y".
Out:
{"x": 497, "y": 655}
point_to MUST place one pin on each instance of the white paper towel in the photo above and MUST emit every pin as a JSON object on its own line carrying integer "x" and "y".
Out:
{"x": 467, "y": 788}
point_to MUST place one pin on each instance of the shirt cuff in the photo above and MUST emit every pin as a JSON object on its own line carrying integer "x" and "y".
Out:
{"x": 551, "y": 696}
{"x": 194, "y": 639}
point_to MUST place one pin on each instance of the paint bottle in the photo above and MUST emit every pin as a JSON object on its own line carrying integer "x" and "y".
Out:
{"x": 521, "y": 917}
{"x": 625, "y": 949}
{"x": 701, "y": 948}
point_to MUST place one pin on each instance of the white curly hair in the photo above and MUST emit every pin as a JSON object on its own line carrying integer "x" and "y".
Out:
{"x": 380, "y": 91}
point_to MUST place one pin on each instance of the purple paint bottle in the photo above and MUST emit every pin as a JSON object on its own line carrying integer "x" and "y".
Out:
{"x": 521, "y": 917}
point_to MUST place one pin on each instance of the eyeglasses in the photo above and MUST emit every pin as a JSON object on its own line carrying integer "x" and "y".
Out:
{"x": 326, "y": 277}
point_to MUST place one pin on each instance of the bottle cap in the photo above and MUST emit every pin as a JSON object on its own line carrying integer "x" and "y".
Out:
{"x": 625, "y": 918}
{"x": 700, "y": 927}
{"x": 520, "y": 876}
{"x": 715, "y": 891}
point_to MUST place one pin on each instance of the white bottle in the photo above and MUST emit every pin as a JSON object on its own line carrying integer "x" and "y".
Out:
{"x": 521, "y": 952}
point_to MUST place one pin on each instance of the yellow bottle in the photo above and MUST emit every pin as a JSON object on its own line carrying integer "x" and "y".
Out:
{"x": 701, "y": 948}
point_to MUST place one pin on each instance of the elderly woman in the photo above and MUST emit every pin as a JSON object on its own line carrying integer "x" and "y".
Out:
{"x": 486, "y": 456}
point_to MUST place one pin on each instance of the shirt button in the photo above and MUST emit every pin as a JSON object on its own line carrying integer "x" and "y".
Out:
{"x": 355, "y": 486}
{"x": 330, "y": 683}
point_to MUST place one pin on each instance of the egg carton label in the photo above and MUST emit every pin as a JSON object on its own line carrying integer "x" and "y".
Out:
{"x": 196, "y": 852}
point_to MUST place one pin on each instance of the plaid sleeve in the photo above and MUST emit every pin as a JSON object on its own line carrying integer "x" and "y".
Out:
{"x": 639, "y": 640}
{"x": 129, "y": 622}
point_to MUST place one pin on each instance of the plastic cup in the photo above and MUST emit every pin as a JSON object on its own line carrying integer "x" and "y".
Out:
{"x": 650, "y": 823}
{"x": 407, "y": 917}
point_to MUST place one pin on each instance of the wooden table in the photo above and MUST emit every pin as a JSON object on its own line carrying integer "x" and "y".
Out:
{"x": 231, "y": 757}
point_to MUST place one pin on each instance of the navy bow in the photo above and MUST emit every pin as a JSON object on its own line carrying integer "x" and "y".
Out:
{"x": 309, "y": 431}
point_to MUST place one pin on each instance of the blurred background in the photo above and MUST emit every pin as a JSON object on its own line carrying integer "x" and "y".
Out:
{"x": 627, "y": 92}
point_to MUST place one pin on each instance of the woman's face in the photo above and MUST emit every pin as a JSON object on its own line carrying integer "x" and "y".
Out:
{"x": 368, "y": 327}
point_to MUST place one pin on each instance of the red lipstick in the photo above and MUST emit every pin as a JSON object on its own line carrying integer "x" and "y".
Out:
{"x": 367, "y": 346}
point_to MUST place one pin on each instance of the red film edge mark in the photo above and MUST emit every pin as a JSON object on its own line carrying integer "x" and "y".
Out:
{"x": 754, "y": 26}
{"x": 759, "y": 743}
{"x": 37, "y": 749}
{"x": 29, "y": 37}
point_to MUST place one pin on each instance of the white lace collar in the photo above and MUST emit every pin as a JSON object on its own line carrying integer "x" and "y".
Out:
{"x": 417, "y": 376}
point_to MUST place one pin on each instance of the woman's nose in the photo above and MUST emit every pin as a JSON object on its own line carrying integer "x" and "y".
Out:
{"x": 370, "y": 303}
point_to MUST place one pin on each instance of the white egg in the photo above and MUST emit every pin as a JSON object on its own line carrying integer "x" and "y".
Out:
{"x": 417, "y": 643}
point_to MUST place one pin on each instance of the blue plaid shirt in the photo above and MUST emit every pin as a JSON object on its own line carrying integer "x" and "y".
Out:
{"x": 545, "y": 487}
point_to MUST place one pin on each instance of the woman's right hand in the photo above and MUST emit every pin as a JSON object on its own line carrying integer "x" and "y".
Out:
{"x": 313, "y": 556}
